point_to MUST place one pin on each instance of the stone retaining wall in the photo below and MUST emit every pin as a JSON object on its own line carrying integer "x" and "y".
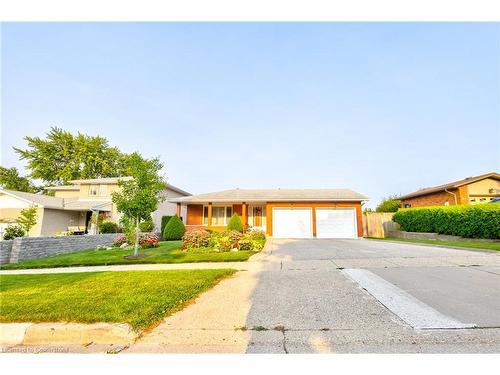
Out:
{"x": 5, "y": 249}
{"x": 24, "y": 248}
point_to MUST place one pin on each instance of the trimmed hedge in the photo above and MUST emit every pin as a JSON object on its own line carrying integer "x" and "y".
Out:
{"x": 174, "y": 230}
{"x": 478, "y": 221}
{"x": 164, "y": 221}
{"x": 235, "y": 223}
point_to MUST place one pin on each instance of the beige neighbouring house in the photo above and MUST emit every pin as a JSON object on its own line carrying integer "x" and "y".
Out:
{"x": 72, "y": 205}
{"x": 468, "y": 191}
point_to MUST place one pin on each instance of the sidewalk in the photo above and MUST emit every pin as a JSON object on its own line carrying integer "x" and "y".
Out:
{"x": 135, "y": 267}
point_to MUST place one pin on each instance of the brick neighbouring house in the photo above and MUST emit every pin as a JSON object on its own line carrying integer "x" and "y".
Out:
{"x": 471, "y": 190}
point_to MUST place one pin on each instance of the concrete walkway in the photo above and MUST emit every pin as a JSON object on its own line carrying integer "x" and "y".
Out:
{"x": 135, "y": 267}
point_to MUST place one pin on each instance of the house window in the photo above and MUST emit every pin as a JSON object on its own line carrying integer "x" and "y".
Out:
{"x": 407, "y": 205}
{"x": 220, "y": 215}
{"x": 103, "y": 190}
{"x": 93, "y": 189}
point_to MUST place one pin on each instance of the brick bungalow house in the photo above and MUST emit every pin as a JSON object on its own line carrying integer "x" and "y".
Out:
{"x": 470, "y": 190}
{"x": 282, "y": 213}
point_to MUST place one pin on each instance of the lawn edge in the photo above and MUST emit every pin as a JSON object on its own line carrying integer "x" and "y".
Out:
{"x": 489, "y": 251}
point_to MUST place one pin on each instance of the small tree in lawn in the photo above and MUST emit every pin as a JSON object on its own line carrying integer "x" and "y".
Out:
{"x": 27, "y": 219}
{"x": 139, "y": 197}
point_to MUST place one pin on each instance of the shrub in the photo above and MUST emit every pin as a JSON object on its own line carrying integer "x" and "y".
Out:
{"x": 147, "y": 240}
{"x": 226, "y": 240}
{"x": 256, "y": 238}
{"x": 120, "y": 240}
{"x": 174, "y": 230}
{"x": 108, "y": 227}
{"x": 164, "y": 221}
{"x": 147, "y": 226}
{"x": 196, "y": 239}
{"x": 245, "y": 245}
{"x": 478, "y": 221}
{"x": 235, "y": 223}
{"x": 13, "y": 231}
{"x": 391, "y": 204}
{"x": 257, "y": 235}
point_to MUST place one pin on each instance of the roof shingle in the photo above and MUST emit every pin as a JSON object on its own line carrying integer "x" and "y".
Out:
{"x": 271, "y": 195}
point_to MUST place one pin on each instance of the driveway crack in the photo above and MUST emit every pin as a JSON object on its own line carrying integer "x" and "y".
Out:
{"x": 284, "y": 342}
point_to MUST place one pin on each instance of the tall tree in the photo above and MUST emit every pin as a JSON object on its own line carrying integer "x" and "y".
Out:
{"x": 11, "y": 180}
{"x": 140, "y": 196}
{"x": 62, "y": 157}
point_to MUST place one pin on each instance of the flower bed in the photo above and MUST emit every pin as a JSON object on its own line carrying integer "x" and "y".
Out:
{"x": 146, "y": 240}
{"x": 228, "y": 240}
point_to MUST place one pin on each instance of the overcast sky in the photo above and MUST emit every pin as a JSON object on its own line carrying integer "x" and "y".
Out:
{"x": 378, "y": 108}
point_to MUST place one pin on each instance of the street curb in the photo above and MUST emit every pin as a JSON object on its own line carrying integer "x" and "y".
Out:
{"x": 66, "y": 333}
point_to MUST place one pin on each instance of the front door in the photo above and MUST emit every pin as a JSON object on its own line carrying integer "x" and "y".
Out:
{"x": 257, "y": 216}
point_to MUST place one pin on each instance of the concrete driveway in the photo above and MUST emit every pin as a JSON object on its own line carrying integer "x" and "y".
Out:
{"x": 326, "y": 296}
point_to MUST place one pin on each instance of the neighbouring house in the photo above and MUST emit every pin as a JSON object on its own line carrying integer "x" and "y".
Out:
{"x": 71, "y": 207}
{"x": 281, "y": 213}
{"x": 470, "y": 190}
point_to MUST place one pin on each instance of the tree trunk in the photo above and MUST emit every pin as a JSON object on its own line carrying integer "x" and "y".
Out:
{"x": 136, "y": 247}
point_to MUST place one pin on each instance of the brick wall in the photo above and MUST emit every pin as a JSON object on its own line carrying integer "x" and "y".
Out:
{"x": 24, "y": 248}
{"x": 434, "y": 199}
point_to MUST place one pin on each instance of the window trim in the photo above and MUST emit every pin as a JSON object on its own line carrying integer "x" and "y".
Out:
{"x": 103, "y": 190}
{"x": 226, "y": 218}
{"x": 97, "y": 189}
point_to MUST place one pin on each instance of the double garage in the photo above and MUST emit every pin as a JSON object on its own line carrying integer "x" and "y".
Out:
{"x": 313, "y": 221}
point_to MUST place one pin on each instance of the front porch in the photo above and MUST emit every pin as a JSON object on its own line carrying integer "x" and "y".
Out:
{"x": 215, "y": 216}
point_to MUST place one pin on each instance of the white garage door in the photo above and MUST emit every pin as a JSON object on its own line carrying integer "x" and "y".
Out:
{"x": 292, "y": 222}
{"x": 332, "y": 223}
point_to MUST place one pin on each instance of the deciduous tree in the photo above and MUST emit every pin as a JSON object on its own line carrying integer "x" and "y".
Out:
{"x": 139, "y": 197}
{"x": 27, "y": 219}
{"x": 11, "y": 180}
{"x": 62, "y": 156}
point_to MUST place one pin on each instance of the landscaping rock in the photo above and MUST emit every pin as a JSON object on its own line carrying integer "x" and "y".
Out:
{"x": 124, "y": 245}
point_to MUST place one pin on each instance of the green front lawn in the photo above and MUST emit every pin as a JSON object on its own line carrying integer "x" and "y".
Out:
{"x": 139, "y": 298}
{"x": 168, "y": 252}
{"x": 466, "y": 244}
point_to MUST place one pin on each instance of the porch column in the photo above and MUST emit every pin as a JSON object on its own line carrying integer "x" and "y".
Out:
{"x": 178, "y": 209}
{"x": 244, "y": 215}
{"x": 209, "y": 222}
{"x": 314, "y": 221}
